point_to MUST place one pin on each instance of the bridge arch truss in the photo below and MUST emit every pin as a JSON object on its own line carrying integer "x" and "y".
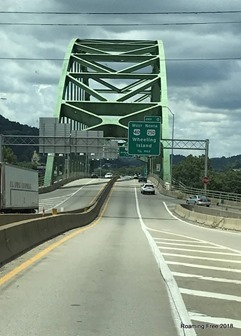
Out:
{"x": 104, "y": 84}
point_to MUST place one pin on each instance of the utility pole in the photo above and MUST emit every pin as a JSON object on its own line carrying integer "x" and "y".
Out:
{"x": 1, "y": 149}
{"x": 206, "y": 163}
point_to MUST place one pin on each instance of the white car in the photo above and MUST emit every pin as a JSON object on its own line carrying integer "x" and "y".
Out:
{"x": 199, "y": 200}
{"x": 108, "y": 175}
{"x": 148, "y": 188}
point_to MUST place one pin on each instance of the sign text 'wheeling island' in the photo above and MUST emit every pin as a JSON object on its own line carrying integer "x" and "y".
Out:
{"x": 144, "y": 138}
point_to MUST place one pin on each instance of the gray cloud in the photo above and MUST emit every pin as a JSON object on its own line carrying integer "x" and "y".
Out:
{"x": 204, "y": 95}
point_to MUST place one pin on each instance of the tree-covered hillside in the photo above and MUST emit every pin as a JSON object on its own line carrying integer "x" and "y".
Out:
{"x": 15, "y": 128}
{"x": 217, "y": 163}
{"x": 7, "y": 127}
{"x": 190, "y": 171}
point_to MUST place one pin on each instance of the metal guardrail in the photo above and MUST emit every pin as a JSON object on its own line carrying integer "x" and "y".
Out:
{"x": 209, "y": 193}
{"x": 179, "y": 186}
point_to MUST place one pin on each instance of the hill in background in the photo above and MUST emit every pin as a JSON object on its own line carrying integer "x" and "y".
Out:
{"x": 7, "y": 127}
{"x": 219, "y": 164}
{"x": 15, "y": 128}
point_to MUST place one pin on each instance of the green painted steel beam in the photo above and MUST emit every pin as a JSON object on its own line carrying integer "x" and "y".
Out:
{"x": 115, "y": 58}
{"x": 113, "y": 75}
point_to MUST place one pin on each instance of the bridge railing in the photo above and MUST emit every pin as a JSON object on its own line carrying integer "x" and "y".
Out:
{"x": 181, "y": 187}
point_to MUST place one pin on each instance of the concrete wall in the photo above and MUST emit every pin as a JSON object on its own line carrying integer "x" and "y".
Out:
{"x": 218, "y": 211}
{"x": 19, "y": 237}
{"x": 213, "y": 220}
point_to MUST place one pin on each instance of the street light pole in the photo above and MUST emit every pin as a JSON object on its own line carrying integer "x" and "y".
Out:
{"x": 173, "y": 123}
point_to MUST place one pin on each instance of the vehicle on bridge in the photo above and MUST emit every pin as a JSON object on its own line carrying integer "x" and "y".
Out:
{"x": 108, "y": 175}
{"x": 19, "y": 189}
{"x": 199, "y": 200}
{"x": 142, "y": 178}
{"x": 93, "y": 175}
{"x": 148, "y": 188}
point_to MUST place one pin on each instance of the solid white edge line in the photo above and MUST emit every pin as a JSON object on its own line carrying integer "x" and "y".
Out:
{"x": 178, "y": 307}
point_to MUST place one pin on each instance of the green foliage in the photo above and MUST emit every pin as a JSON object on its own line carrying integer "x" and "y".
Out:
{"x": 26, "y": 164}
{"x": 15, "y": 128}
{"x": 190, "y": 171}
{"x": 9, "y": 156}
{"x": 223, "y": 163}
{"x": 228, "y": 181}
{"x": 129, "y": 170}
{"x": 22, "y": 153}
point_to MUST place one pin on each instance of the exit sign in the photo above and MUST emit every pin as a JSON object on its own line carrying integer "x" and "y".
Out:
{"x": 152, "y": 119}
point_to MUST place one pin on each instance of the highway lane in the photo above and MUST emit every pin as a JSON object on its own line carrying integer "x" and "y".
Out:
{"x": 105, "y": 280}
{"x": 206, "y": 264}
{"x": 102, "y": 281}
{"x": 74, "y": 195}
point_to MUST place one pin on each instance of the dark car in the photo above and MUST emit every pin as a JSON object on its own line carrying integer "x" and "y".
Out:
{"x": 142, "y": 179}
{"x": 94, "y": 175}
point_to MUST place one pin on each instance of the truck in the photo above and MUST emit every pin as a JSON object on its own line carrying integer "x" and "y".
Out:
{"x": 18, "y": 189}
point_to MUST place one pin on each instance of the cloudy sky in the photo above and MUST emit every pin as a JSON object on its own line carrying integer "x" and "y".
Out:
{"x": 202, "y": 42}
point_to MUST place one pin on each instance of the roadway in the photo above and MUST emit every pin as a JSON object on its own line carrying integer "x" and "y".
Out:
{"x": 105, "y": 279}
{"x": 74, "y": 195}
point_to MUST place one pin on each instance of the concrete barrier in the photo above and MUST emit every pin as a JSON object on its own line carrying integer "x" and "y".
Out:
{"x": 5, "y": 252}
{"x": 60, "y": 183}
{"x": 208, "y": 220}
{"x": 13, "y": 218}
{"x": 232, "y": 224}
{"x": 19, "y": 237}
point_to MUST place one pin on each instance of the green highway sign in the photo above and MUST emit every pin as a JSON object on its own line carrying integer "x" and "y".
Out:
{"x": 144, "y": 138}
{"x": 152, "y": 119}
{"x": 123, "y": 152}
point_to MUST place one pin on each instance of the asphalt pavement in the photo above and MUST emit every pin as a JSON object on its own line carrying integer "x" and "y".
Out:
{"x": 138, "y": 270}
{"x": 102, "y": 281}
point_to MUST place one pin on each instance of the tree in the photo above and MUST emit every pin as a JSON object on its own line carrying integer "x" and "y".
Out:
{"x": 227, "y": 181}
{"x": 190, "y": 171}
{"x": 35, "y": 159}
{"x": 8, "y": 155}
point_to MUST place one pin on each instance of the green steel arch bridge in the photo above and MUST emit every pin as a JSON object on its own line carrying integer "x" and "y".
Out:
{"x": 104, "y": 84}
